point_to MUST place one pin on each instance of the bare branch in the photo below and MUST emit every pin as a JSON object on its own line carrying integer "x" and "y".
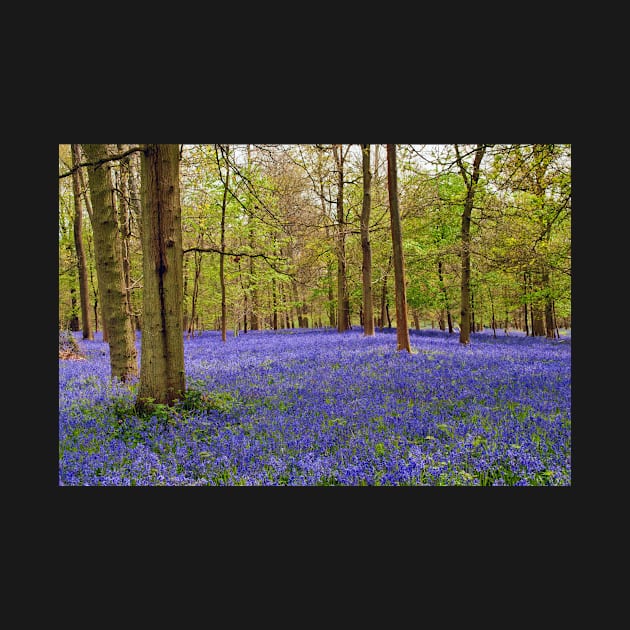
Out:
{"x": 97, "y": 163}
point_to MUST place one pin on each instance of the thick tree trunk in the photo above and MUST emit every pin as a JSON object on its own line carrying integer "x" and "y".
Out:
{"x": 402, "y": 326}
{"x": 366, "y": 268}
{"x": 84, "y": 296}
{"x": 162, "y": 378}
{"x": 109, "y": 269}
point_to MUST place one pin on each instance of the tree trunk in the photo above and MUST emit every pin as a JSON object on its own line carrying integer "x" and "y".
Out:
{"x": 525, "y": 303}
{"x": 254, "y": 317}
{"x": 84, "y": 296}
{"x": 384, "y": 302}
{"x": 125, "y": 222}
{"x": 195, "y": 291}
{"x": 402, "y": 326}
{"x": 447, "y": 306}
{"x": 366, "y": 268}
{"x": 222, "y": 254}
{"x": 274, "y": 301}
{"x": 549, "y": 322}
{"x": 536, "y": 307}
{"x": 162, "y": 378}
{"x": 416, "y": 318}
{"x": 332, "y": 316}
{"x": 109, "y": 269}
{"x": 471, "y": 186}
{"x": 342, "y": 280}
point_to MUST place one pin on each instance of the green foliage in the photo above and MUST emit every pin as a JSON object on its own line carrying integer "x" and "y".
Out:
{"x": 280, "y": 208}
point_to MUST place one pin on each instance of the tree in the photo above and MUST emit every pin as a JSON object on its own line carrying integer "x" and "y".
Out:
{"x": 402, "y": 328}
{"x": 343, "y": 303}
{"x": 366, "y": 268}
{"x": 471, "y": 180}
{"x": 162, "y": 378}
{"x": 287, "y": 233}
{"x": 78, "y": 244}
{"x": 109, "y": 267}
{"x": 224, "y": 155}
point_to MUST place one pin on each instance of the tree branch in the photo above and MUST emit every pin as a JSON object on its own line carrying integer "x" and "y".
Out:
{"x": 215, "y": 250}
{"x": 111, "y": 158}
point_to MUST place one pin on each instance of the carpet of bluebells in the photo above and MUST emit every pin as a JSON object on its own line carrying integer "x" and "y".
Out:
{"x": 315, "y": 407}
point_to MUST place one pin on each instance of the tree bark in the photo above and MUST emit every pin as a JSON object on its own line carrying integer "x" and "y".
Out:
{"x": 332, "y": 316}
{"x": 366, "y": 268}
{"x": 109, "y": 270}
{"x": 84, "y": 296}
{"x": 254, "y": 317}
{"x": 224, "y": 153}
{"x": 402, "y": 326}
{"x": 471, "y": 181}
{"x": 195, "y": 291}
{"x": 125, "y": 223}
{"x": 343, "y": 303}
{"x": 447, "y": 306}
{"x": 162, "y": 378}
{"x": 384, "y": 300}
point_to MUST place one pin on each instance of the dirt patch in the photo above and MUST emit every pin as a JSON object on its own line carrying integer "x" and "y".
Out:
{"x": 68, "y": 355}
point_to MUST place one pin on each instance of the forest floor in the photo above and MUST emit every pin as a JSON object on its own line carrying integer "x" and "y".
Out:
{"x": 70, "y": 355}
{"x": 318, "y": 407}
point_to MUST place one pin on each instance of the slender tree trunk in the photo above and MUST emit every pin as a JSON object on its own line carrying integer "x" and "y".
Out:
{"x": 109, "y": 269}
{"x": 84, "y": 295}
{"x": 494, "y": 323}
{"x": 274, "y": 300}
{"x": 195, "y": 291}
{"x": 471, "y": 181}
{"x": 342, "y": 280}
{"x": 549, "y": 323}
{"x": 536, "y": 307}
{"x": 331, "y": 299}
{"x": 447, "y": 305}
{"x": 296, "y": 302}
{"x": 472, "y": 310}
{"x": 416, "y": 318}
{"x": 555, "y": 319}
{"x": 74, "y": 310}
{"x": 525, "y": 303}
{"x": 245, "y": 298}
{"x": 254, "y": 323}
{"x": 224, "y": 152}
{"x": 162, "y": 378}
{"x": 384, "y": 300}
{"x": 125, "y": 222}
{"x": 402, "y": 326}
{"x": 366, "y": 268}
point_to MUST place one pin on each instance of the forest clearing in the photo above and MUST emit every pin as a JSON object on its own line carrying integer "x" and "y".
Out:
{"x": 311, "y": 407}
{"x": 315, "y": 314}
